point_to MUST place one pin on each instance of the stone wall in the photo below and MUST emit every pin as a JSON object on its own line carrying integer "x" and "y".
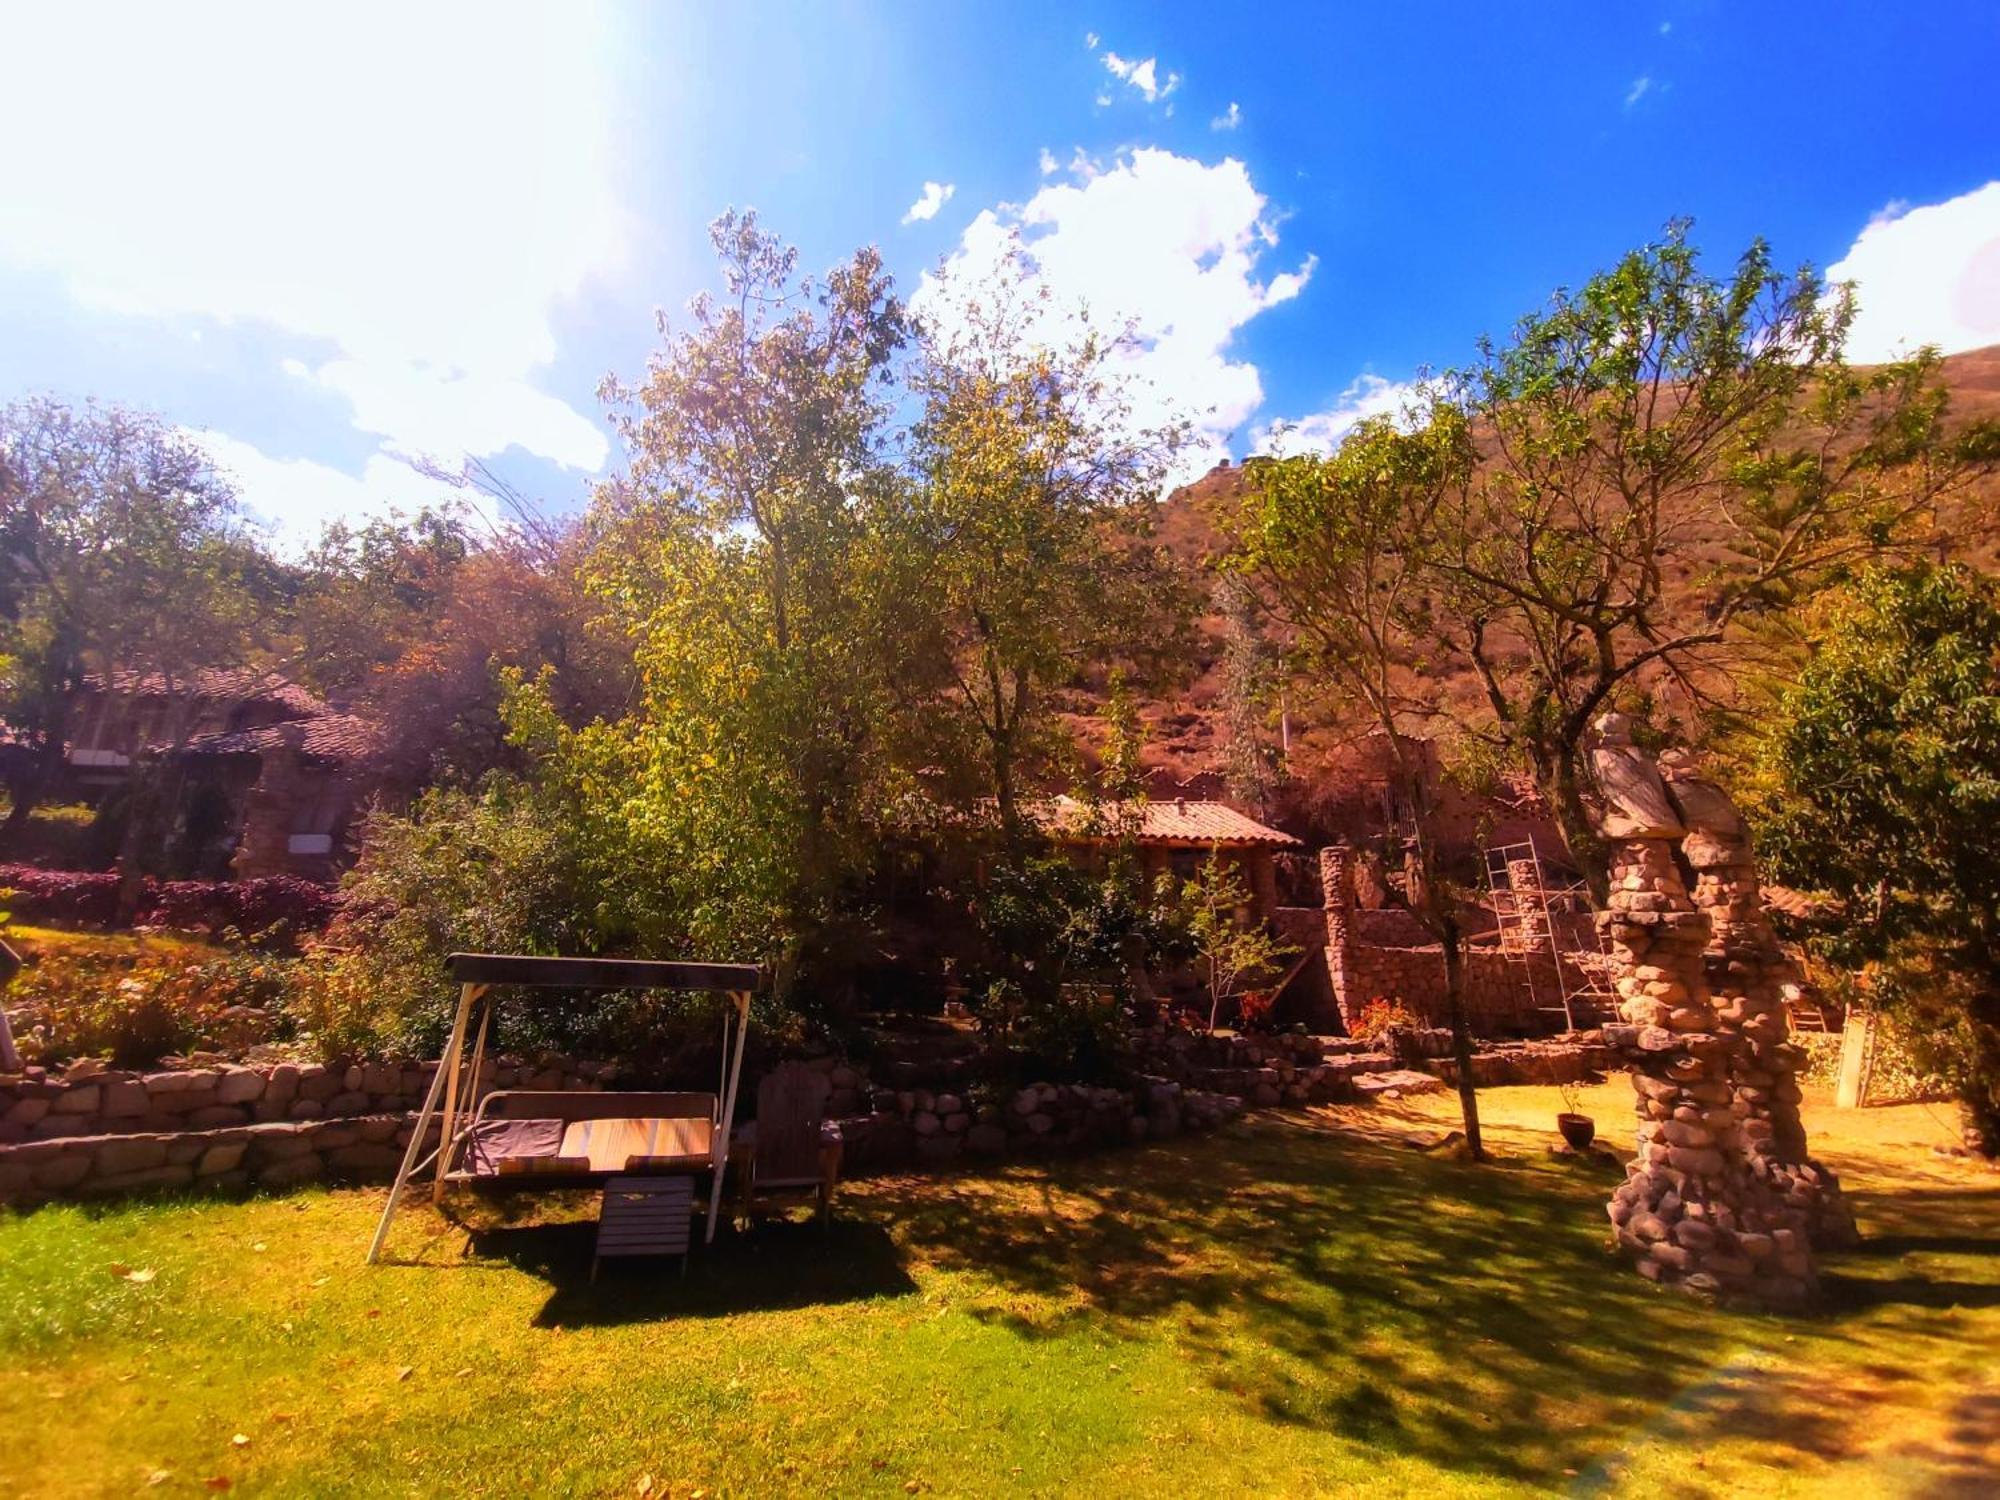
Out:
{"x": 363, "y": 1149}
{"x": 1177, "y": 1082}
{"x": 1384, "y": 954}
{"x": 91, "y": 1100}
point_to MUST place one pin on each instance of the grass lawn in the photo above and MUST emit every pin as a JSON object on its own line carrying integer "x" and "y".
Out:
{"x": 1295, "y": 1306}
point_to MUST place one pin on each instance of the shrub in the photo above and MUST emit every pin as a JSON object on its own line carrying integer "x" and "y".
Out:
{"x": 272, "y": 910}
{"x": 136, "y": 1007}
{"x": 84, "y": 899}
{"x": 1379, "y": 1015}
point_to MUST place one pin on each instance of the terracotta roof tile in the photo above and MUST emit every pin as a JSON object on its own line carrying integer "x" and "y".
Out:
{"x": 339, "y": 738}
{"x": 1180, "y": 821}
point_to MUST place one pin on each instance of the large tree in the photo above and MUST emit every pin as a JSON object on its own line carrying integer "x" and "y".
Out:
{"x": 1345, "y": 549}
{"x": 1669, "y": 461}
{"x": 734, "y": 552}
{"x": 120, "y": 556}
{"x": 1020, "y": 546}
{"x": 1877, "y": 779}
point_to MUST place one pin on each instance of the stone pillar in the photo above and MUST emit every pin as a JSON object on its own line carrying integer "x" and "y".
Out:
{"x": 268, "y": 810}
{"x": 1748, "y": 972}
{"x": 1692, "y": 1210}
{"x": 1337, "y": 891}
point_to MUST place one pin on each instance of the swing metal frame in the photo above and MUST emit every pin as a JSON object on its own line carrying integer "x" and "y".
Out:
{"x": 457, "y": 1074}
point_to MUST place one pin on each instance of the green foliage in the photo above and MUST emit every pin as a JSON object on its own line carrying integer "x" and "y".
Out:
{"x": 1234, "y": 949}
{"x": 134, "y": 1004}
{"x": 1877, "y": 779}
{"x": 1671, "y": 459}
{"x": 1058, "y": 947}
{"x": 1378, "y": 1016}
{"x": 1020, "y": 545}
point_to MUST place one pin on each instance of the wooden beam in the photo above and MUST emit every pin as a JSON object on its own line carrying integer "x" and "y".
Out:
{"x": 605, "y": 973}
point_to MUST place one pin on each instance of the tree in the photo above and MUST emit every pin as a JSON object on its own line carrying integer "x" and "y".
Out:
{"x": 733, "y": 553}
{"x": 1669, "y": 461}
{"x": 1230, "y": 946}
{"x": 1024, "y": 535}
{"x": 1246, "y": 669}
{"x": 120, "y": 556}
{"x": 1877, "y": 779}
{"x": 1345, "y": 548}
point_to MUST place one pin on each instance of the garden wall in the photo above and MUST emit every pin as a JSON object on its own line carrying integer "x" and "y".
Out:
{"x": 99, "y": 1132}
{"x": 91, "y": 1101}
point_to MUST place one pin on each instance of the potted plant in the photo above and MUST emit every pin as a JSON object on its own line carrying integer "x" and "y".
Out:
{"x": 1578, "y": 1129}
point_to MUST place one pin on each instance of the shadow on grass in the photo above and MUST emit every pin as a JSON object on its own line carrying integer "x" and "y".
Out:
{"x": 1469, "y": 1316}
{"x": 776, "y": 1266}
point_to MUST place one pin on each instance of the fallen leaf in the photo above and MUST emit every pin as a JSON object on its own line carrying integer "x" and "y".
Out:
{"x": 323, "y": 1281}
{"x": 159, "y": 1476}
{"x": 281, "y": 1416}
{"x": 218, "y": 1482}
{"x": 406, "y": 1372}
{"x": 258, "y": 1247}
{"x": 644, "y": 1486}
{"x": 140, "y": 1278}
{"x": 241, "y": 1440}
{"x": 463, "y": 1373}
{"x": 119, "y": 1268}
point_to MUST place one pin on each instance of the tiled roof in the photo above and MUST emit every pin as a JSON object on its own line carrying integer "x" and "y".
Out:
{"x": 246, "y": 684}
{"x": 337, "y": 738}
{"x": 1179, "y": 822}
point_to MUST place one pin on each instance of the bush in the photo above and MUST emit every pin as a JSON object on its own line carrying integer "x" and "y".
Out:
{"x": 1379, "y": 1016}
{"x": 274, "y": 910}
{"x": 136, "y": 1007}
{"x": 69, "y": 896}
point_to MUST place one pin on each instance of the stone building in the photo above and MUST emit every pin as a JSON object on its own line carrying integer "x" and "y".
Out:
{"x": 280, "y": 799}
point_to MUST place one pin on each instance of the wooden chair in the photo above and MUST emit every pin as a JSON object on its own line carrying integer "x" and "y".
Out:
{"x": 791, "y": 1155}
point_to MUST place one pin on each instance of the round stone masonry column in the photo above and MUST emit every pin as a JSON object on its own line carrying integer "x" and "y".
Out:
{"x": 1748, "y": 974}
{"x": 1692, "y": 1212}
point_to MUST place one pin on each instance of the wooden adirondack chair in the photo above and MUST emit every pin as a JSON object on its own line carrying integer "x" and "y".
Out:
{"x": 791, "y": 1156}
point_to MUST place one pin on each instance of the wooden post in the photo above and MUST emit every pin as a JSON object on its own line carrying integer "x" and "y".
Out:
{"x": 466, "y": 995}
{"x": 10, "y": 1055}
{"x": 1857, "y": 1047}
{"x": 741, "y": 1000}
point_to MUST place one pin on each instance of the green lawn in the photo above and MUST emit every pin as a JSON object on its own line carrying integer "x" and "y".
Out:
{"x": 1295, "y": 1306}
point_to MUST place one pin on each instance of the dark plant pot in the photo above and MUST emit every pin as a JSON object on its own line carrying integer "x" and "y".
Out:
{"x": 1578, "y": 1130}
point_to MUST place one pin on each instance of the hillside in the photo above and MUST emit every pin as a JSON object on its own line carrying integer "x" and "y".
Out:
{"x": 1187, "y": 735}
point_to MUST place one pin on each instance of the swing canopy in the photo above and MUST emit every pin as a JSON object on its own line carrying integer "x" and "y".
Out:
{"x": 539, "y": 1141}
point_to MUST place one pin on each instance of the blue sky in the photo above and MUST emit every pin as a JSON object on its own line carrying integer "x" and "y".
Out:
{"x": 328, "y": 240}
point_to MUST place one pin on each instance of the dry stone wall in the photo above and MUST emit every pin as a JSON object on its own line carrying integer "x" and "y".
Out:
{"x": 91, "y": 1100}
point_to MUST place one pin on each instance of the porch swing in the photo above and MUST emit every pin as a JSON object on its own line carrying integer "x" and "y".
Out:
{"x": 644, "y": 1149}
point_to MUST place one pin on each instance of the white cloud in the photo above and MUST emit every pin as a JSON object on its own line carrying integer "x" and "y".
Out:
{"x": 1366, "y": 396}
{"x": 417, "y": 190}
{"x": 934, "y": 197}
{"x": 1229, "y": 119}
{"x": 293, "y": 498}
{"x": 1928, "y": 275}
{"x": 1047, "y": 164}
{"x": 1142, "y": 74}
{"x": 1090, "y": 40}
{"x": 1164, "y": 246}
{"x": 1641, "y": 86}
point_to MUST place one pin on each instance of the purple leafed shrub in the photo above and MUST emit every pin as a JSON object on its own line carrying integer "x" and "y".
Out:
{"x": 250, "y": 907}
{"x": 82, "y": 898}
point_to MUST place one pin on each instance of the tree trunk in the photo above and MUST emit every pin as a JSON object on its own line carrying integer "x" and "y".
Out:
{"x": 1461, "y": 1035}
{"x": 1563, "y": 789}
